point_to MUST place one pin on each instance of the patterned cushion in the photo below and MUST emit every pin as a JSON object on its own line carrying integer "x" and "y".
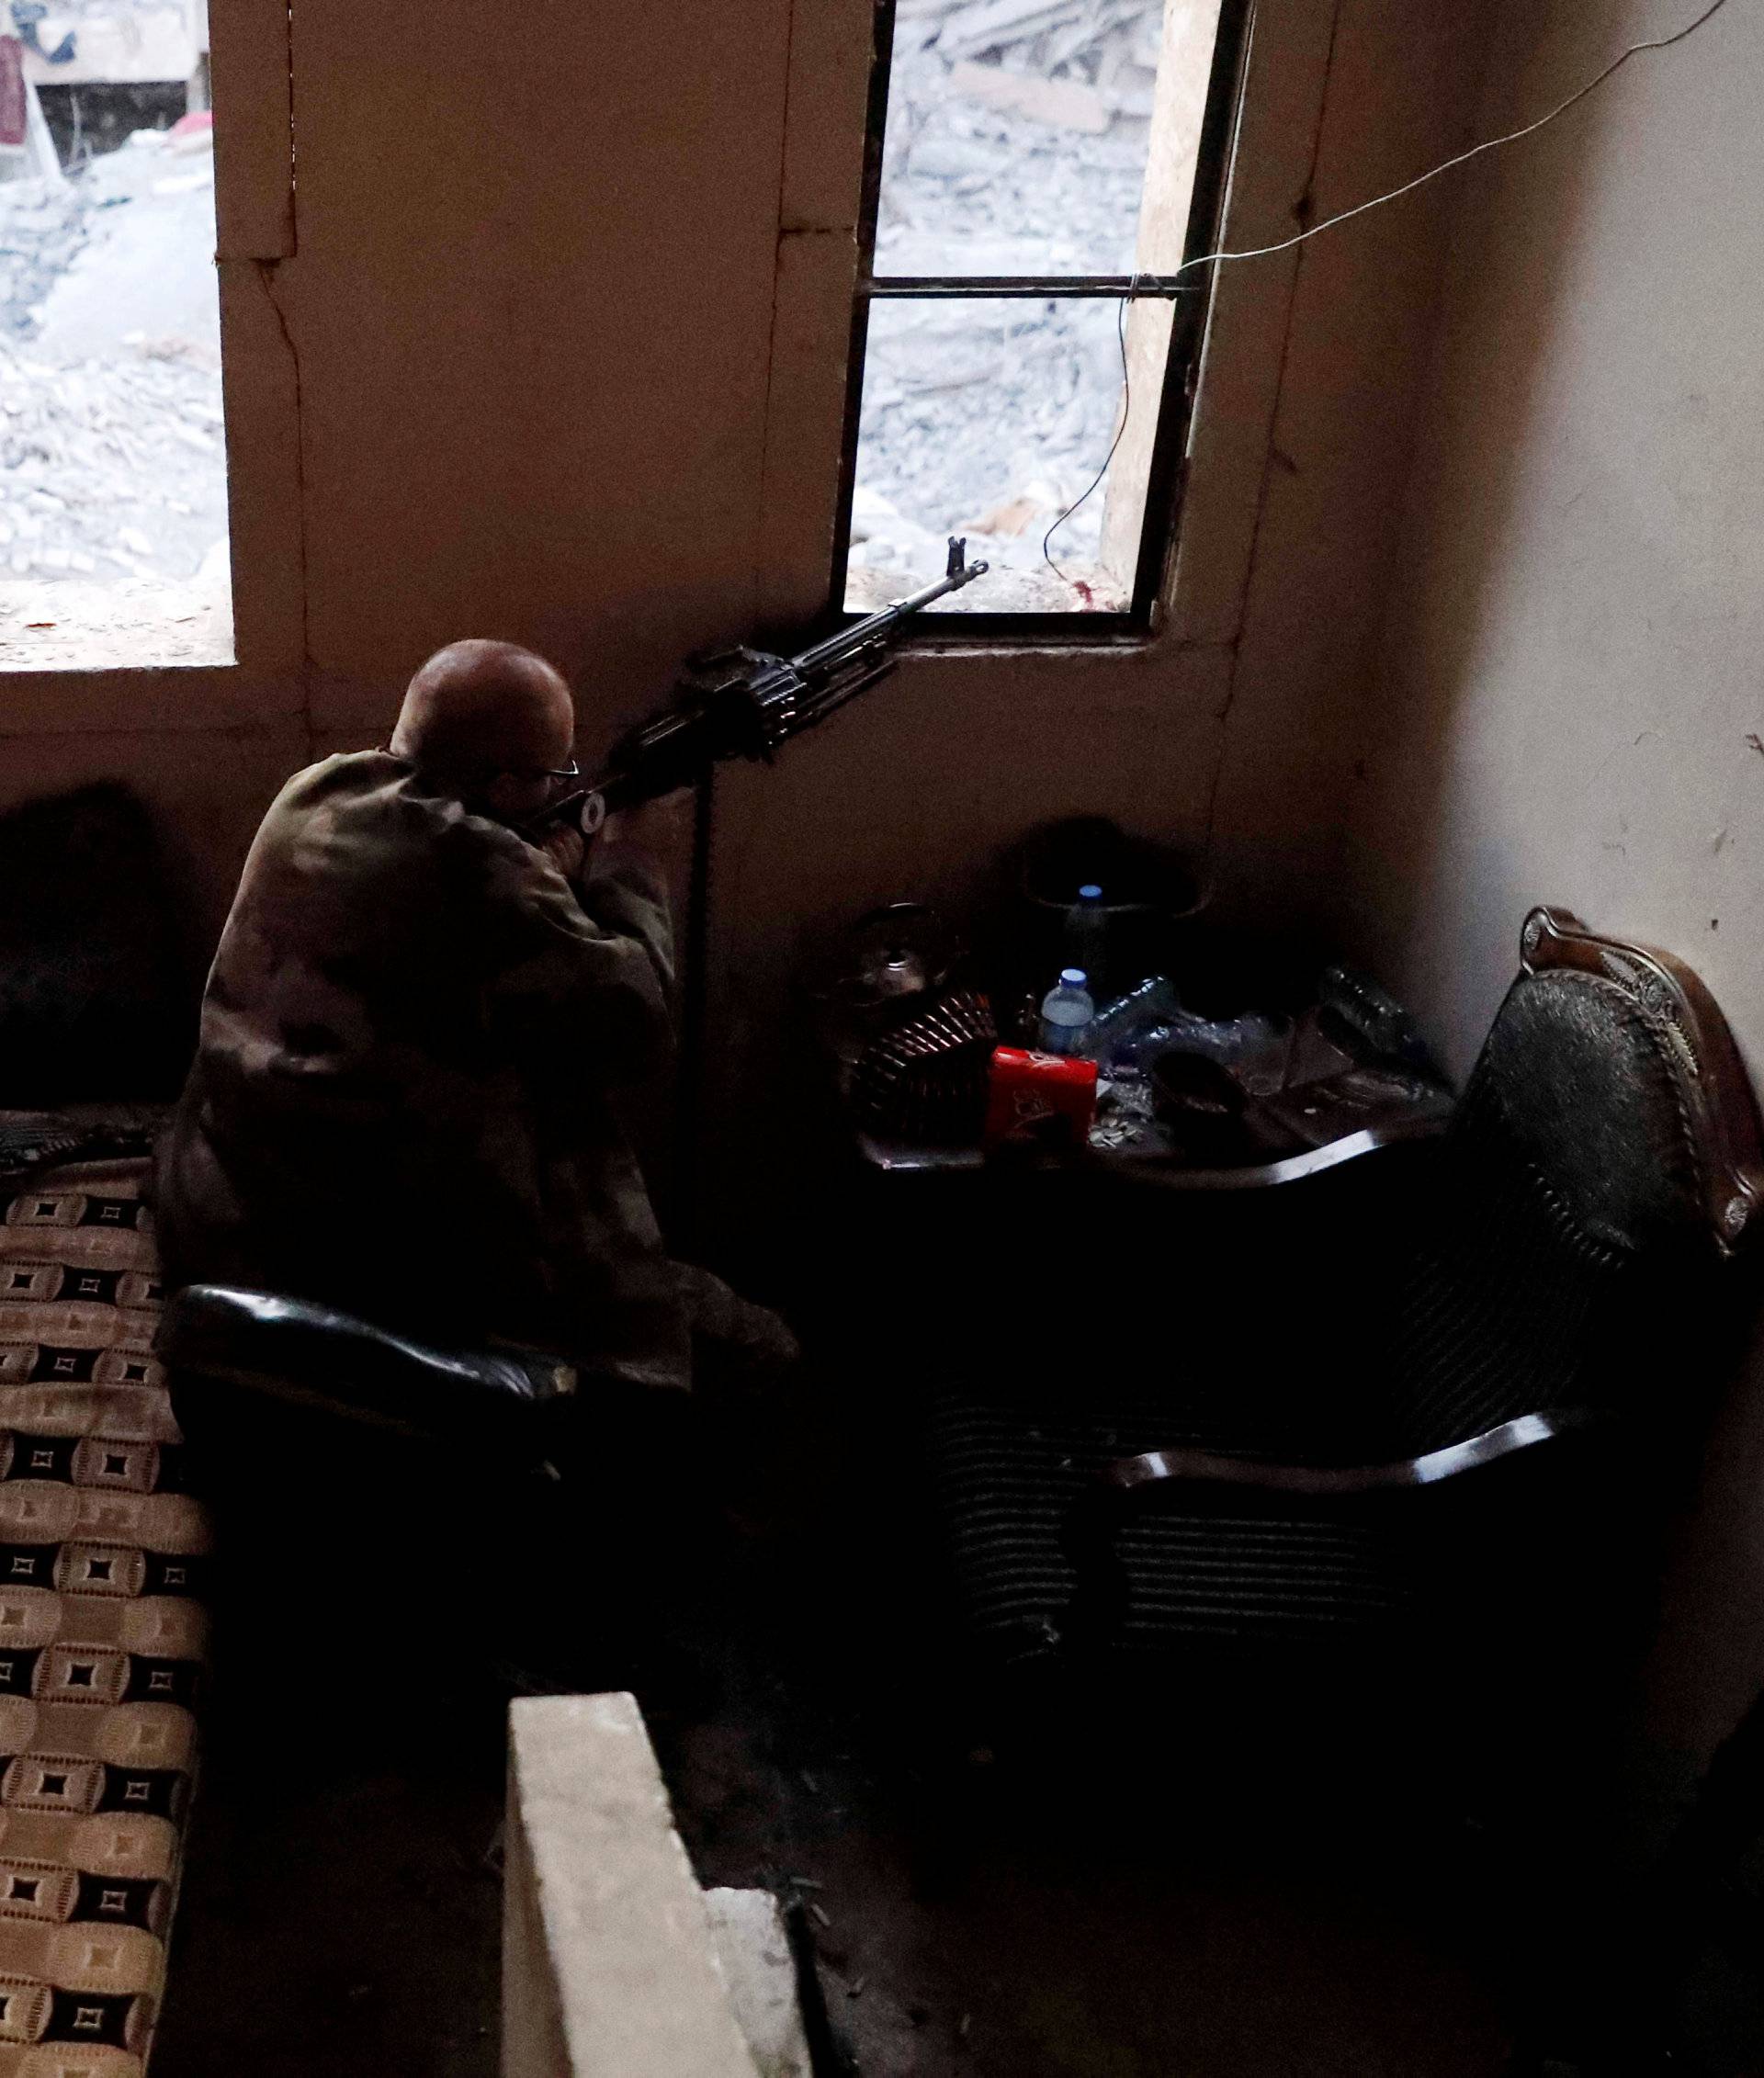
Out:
{"x": 101, "y": 1637}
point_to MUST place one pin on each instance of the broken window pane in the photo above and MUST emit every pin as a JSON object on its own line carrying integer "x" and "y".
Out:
{"x": 113, "y": 504}
{"x": 1019, "y": 133}
{"x": 986, "y": 417}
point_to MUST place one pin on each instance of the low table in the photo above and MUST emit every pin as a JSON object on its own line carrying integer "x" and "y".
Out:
{"x": 1306, "y": 1130}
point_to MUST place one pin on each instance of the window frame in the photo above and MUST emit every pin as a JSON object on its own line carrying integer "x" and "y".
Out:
{"x": 1161, "y": 521}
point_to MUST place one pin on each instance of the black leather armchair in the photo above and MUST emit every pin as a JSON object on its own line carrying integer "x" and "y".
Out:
{"x": 392, "y": 1531}
{"x": 1333, "y": 1484}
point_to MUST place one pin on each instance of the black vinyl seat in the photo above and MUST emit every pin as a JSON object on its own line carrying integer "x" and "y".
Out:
{"x": 1498, "y": 1378}
{"x": 222, "y": 1341}
{"x": 397, "y": 1512}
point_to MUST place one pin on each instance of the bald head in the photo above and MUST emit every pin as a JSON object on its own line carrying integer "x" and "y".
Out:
{"x": 479, "y": 709}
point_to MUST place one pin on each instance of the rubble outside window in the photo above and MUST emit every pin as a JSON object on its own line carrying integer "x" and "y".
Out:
{"x": 1043, "y": 141}
{"x": 113, "y": 495}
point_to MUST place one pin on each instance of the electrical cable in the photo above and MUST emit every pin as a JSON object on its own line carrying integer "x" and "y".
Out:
{"x": 1121, "y": 427}
{"x": 1359, "y": 209}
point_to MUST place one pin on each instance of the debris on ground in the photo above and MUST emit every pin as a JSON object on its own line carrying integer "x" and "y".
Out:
{"x": 112, "y": 448}
{"x": 43, "y": 224}
{"x": 106, "y": 467}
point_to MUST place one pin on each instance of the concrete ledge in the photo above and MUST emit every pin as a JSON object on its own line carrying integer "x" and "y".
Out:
{"x": 609, "y": 1970}
{"x": 753, "y": 1950}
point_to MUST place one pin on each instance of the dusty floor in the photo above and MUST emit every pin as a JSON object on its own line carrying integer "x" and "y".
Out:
{"x": 341, "y": 1907}
{"x": 345, "y": 1921}
{"x": 338, "y": 1922}
{"x": 977, "y": 1919}
{"x": 341, "y": 1904}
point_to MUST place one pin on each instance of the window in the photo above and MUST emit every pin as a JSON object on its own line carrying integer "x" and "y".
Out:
{"x": 1030, "y": 162}
{"x": 113, "y": 481}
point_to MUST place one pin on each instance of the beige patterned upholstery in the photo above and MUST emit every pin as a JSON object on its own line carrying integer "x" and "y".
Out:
{"x": 101, "y": 1634}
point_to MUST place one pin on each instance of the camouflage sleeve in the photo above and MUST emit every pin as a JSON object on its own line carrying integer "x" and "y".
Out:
{"x": 622, "y": 892}
{"x": 585, "y": 983}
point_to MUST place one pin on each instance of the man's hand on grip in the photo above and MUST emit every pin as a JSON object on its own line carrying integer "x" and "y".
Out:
{"x": 565, "y": 849}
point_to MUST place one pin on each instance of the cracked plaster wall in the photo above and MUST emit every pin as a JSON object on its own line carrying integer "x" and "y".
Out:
{"x": 1571, "y": 695}
{"x": 513, "y": 365}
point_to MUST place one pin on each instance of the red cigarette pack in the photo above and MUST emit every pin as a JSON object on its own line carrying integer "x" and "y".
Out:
{"x": 1038, "y": 1101}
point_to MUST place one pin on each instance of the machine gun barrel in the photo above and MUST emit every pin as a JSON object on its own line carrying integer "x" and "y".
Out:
{"x": 750, "y": 714}
{"x": 874, "y": 627}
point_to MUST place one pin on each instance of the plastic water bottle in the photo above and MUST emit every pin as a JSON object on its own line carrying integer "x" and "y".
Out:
{"x": 1087, "y": 927}
{"x": 1136, "y": 1025}
{"x": 1154, "y": 1002}
{"x": 1067, "y": 1014}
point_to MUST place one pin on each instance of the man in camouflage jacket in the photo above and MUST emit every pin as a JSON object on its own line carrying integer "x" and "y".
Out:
{"x": 401, "y": 1101}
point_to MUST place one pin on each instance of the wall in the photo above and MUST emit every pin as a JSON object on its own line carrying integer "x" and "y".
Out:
{"x": 1571, "y": 683}
{"x": 1570, "y": 703}
{"x": 512, "y": 356}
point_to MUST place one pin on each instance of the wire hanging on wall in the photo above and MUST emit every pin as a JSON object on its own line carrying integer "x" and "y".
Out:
{"x": 1344, "y": 216}
{"x": 1120, "y": 429}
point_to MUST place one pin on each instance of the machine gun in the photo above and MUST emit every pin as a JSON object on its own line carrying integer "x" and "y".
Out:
{"x": 745, "y": 704}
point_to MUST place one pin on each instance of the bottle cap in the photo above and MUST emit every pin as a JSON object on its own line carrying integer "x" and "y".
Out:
{"x": 1073, "y": 977}
{"x": 1090, "y": 892}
